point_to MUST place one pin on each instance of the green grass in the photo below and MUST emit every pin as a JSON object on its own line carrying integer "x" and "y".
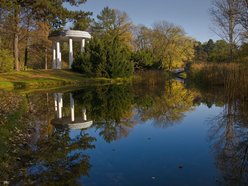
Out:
{"x": 6, "y": 85}
{"x": 38, "y": 79}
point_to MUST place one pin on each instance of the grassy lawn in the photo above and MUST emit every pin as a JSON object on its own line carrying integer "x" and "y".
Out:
{"x": 48, "y": 78}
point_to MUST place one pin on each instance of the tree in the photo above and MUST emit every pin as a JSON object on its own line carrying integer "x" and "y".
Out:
{"x": 209, "y": 46}
{"x": 12, "y": 9}
{"x": 225, "y": 14}
{"x": 142, "y": 38}
{"x": 171, "y": 46}
{"x": 14, "y": 14}
{"x": 143, "y": 56}
{"x": 6, "y": 63}
{"x": 106, "y": 20}
{"x": 243, "y": 53}
{"x": 243, "y": 18}
{"x": 200, "y": 53}
{"x": 38, "y": 41}
{"x": 81, "y": 23}
{"x": 212, "y": 51}
{"x": 168, "y": 44}
{"x": 105, "y": 57}
{"x": 219, "y": 52}
{"x": 108, "y": 54}
{"x": 142, "y": 59}
{"x": 116, "y": 24}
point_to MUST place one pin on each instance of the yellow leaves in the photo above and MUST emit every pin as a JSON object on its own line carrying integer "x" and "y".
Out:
{"x": 123, "y": 27}
{"x": 169, "y": 44}
{"x": 172, "y": 105}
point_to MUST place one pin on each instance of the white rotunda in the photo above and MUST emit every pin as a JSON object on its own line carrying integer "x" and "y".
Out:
{"x": 69, "y": 36}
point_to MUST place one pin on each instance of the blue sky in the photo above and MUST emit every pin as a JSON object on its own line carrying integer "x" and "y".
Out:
{"x": 192, "y": 15}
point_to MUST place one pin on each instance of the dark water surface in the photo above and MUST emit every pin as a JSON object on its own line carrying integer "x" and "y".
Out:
{"x": 156, "y": 132}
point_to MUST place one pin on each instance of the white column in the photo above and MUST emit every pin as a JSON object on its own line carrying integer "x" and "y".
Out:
{"x": 72, "y": 104}
{"x": 60, "y": 59}
{"x": 56, "y": 104}
{"x": 70, "y": 52}
{"x": 82, "y": 45}
{"x": 60, "y": 104}
{"x": 54, "y": 56}
{"x": 58, "y": 55}
{"x": 84, "y": 114}
{"x": 55, "y": 101}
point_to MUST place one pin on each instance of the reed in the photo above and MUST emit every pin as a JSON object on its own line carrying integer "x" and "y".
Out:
{"x": 232, "y": 76}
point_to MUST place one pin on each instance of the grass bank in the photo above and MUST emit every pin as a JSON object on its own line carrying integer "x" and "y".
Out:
{"x": 228, "y": 75}
{"x": 36, "y": 79}
{"x": 229, "y": 80}
{"x": 219, "y": 74}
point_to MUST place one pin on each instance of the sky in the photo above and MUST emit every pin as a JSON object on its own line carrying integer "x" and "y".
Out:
{"x": 192, "y": 15}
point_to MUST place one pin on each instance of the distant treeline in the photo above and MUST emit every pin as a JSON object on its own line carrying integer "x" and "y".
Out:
{"x": 218, "y": 51}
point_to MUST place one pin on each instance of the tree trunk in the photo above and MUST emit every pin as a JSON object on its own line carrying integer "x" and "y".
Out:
{"x": 46, "y": 59}
{"x": 26, "y": 58}
{"x": 16, "y": 38}
{"x": 231, "y": 51}
{"x": 27, "y": 42}
{"x": 229, "y": 134}
{"x": 231, "y": 34}
{"x": 16, "y": 51}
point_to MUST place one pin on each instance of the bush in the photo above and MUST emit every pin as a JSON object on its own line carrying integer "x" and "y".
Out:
{"x": 6, "y": 61}
{"x": 105, "y": 57}
{"x": 143, "y": 59}
{"x": 82, "y": 64}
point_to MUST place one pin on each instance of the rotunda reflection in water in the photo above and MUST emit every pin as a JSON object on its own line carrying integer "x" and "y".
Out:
{"x": 62, "y": 120}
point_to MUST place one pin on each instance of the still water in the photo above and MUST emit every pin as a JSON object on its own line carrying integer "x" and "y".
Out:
{"x": 149, "y": 133}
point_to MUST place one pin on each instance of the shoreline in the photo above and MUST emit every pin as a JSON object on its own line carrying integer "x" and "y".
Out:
{"x": 51, "y": 79}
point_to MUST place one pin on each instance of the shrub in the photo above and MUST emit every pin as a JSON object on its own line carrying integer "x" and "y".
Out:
{"x": 105, "y": 57}
{"x": 143, "y": 59}
{"x": 6, "y": 61}
{"x": 82, "y": 64}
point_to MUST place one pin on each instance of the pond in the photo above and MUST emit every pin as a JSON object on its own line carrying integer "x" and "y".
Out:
{"x": 155, "y": 132}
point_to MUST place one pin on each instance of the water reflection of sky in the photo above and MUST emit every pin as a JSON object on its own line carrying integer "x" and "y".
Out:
{"x": 154, "y": 156}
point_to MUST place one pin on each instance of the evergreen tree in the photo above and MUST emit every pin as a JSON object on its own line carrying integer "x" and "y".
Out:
{"x": 108, "y": 54}
{"x": 105, "y": 57}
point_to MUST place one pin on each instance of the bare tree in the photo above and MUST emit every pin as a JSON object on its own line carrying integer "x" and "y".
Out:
{"x": 243, "y": 17}
{"x": 225, "y": 14}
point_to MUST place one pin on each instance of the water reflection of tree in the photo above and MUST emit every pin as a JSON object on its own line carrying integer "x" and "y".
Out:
{"x": 59, "y": 160}
{"x": 229, "y": 134}
{"x": 54, "y": 156}
{"x": 12, "y": 107}
{"x": 170, "y": 106}
{"x": 36, "y": 153}
{"x": 110, "y": 107}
